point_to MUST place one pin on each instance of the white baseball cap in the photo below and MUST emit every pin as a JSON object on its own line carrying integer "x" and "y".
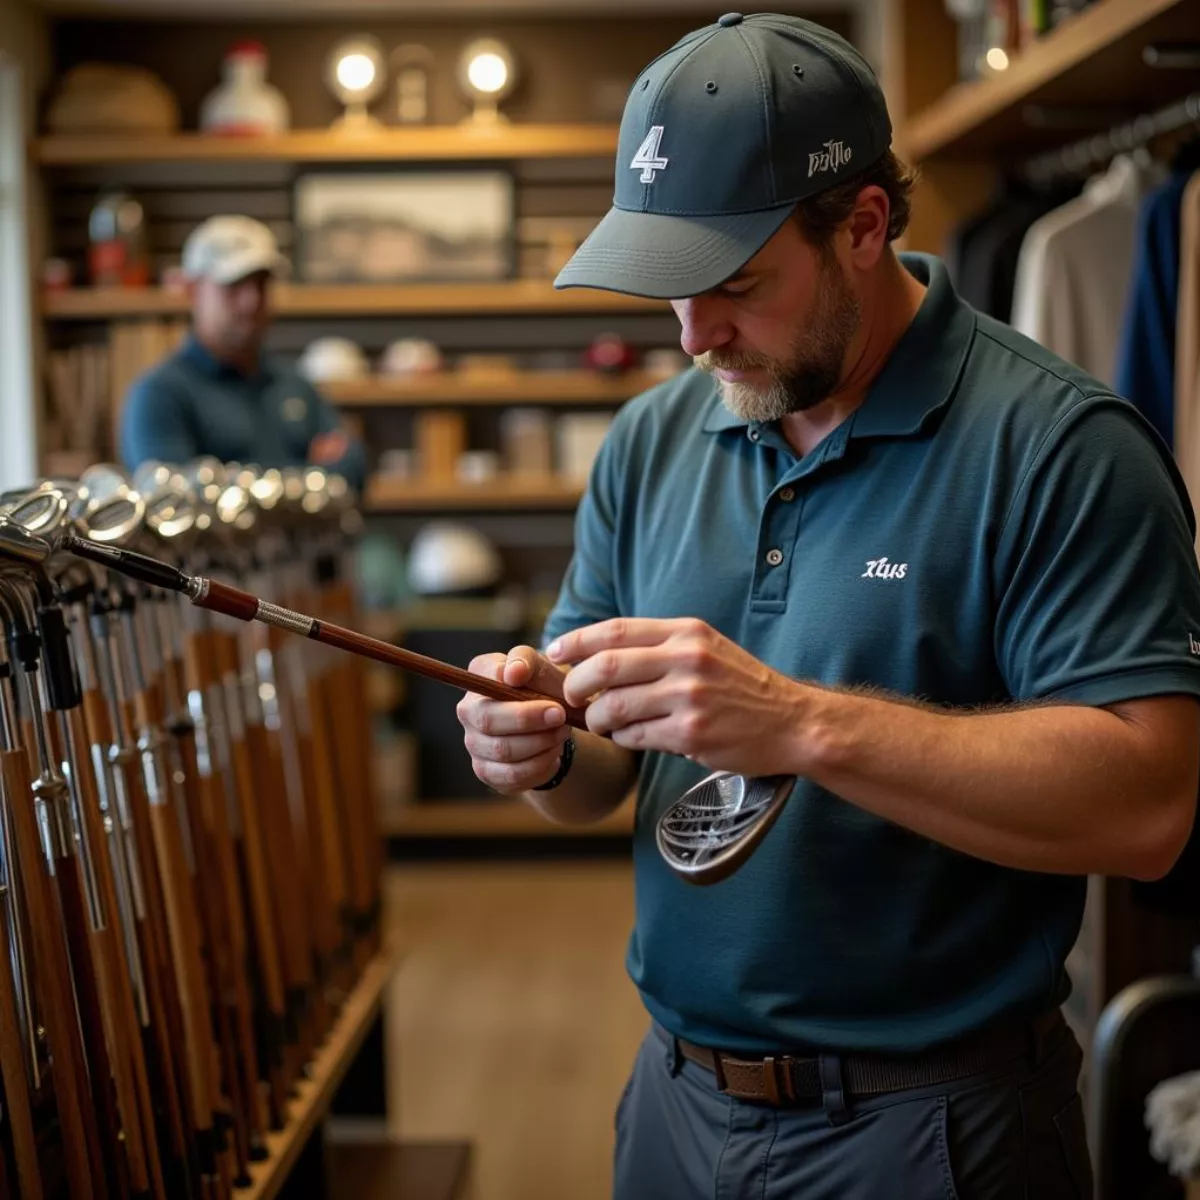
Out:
{"x": 228, "y": 248}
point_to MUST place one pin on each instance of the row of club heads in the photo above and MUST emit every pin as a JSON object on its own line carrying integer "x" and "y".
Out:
{"x": 178, "y": 505}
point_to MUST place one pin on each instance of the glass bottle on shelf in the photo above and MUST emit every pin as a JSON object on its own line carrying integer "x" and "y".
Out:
{"x": 118, "y": 255}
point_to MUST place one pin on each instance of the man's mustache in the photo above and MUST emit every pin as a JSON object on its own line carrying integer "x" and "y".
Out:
{"x": 716, "y": 360}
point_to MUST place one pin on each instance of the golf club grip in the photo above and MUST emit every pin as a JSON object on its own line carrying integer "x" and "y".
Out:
{"x": 233, "y": 602}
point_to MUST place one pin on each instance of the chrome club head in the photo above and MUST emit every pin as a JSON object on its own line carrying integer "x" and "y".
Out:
{"x": 715, "y": 826}
{"x": 107, "y": 508}
{"x": 170, "y": 502}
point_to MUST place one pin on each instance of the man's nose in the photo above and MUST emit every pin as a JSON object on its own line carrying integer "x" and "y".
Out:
{"x": 703, "y": 325}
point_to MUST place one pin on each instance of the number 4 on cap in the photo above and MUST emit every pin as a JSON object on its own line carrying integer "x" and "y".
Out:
{"x": 648, "y": 157}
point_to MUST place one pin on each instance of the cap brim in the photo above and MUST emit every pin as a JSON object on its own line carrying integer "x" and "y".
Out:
{"x": 668, "y": 257}
{"x": 248, "y": 264}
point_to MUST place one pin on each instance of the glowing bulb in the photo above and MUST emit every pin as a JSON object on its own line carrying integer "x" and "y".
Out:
{"x": 487, "y": 72}
{"x": 997, "y": 59}
{"x": 355, "y": 72}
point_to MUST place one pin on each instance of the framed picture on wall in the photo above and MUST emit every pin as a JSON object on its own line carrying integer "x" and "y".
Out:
{"x": 405, "y": 226}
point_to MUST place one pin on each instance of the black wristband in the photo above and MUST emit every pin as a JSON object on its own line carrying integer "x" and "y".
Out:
{"x": 564, "y": 765}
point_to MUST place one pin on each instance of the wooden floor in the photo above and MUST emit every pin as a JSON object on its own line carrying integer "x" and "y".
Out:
{"x": 511, "y": 1020}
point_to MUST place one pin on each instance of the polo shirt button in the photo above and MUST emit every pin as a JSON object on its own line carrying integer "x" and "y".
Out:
{"x": 774, "y": 557}
{"x": 753, "y": 435}
{"x": 787, "y": 495}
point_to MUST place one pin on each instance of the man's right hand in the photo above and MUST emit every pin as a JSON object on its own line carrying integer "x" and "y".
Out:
{"x": 515, "y": 745}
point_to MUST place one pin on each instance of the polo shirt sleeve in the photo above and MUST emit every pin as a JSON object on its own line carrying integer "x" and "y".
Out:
{"x": 589, "y": 588}
{"x": 154, "y": 423}
{"x": 1095, "y": 576}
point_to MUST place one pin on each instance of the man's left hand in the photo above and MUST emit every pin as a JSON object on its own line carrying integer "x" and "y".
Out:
{"x": 680, "y": 687}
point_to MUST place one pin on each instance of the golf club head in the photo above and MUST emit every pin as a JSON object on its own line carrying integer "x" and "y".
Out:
{"x": 170, "y": 504}
{"x": 107, "y": 507}
{"x": 19, "y": 546}
{"x": 44, "y": 511}
{"x": 718, "y": 823}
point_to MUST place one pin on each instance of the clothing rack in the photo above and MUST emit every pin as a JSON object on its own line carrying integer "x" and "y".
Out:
{"x": 1093, "y": 151}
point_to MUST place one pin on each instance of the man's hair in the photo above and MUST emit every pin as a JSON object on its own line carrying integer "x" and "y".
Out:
{"x": 820, "y": 216}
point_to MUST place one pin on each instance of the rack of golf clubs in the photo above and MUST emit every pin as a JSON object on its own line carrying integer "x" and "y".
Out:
{"x": 190, "y": 858}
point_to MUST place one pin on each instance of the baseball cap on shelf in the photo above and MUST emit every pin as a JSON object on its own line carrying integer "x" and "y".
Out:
{"x": 229, "y": 248}
{"x": 722, "y": 135}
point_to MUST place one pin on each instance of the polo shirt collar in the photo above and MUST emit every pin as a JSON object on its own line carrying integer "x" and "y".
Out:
{"x": 921, "y": 374}
{"x": 197, "y": 355}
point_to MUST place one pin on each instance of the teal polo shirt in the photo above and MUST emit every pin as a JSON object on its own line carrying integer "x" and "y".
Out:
{"x": 192, "y": 405}
{"x": 991, "y": 525}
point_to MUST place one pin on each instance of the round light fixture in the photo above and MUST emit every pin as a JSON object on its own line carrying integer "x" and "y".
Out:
{"x": 487, "y": 73}
{"x": 355, "y": 74}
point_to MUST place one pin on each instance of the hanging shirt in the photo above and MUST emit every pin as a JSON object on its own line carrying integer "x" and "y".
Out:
{"x": 985, "y": 249}
{"x": 1146, "y": 354}
{"x": 1075, "y": 264}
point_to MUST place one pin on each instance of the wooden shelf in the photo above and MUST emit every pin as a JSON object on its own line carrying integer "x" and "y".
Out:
{"x": 462, "y": 143}
{"x": 1092, "y": 61}
{"x": 521, "y": 387}
{"x": 502, "y": 817}
{"x": 393, "y": 495}
{"x": 358, "y": 300}
{"x": 315, "y": 1094}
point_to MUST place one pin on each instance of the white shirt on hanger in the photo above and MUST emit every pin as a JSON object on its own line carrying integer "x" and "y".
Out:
{"x": 1074, "y": 267}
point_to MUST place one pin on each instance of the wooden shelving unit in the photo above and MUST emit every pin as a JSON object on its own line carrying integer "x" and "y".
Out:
{"x": 524, "y": 296}
{"x": 1093, "y": 60}
{"x": 315, "y": 1093}
{"x": 458, "y": 143}
{"x": 501, "y": 817}
{"x": 469, "y": 390}
{"x": 402, "y": 495}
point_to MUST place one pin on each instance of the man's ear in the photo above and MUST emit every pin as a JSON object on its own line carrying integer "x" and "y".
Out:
{"x": 868, "y": 226}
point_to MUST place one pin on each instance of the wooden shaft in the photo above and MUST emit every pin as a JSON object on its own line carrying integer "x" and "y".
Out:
{"x": 233, "y": 602}
{"x": 166, "y": 1026}
{"x": 18, "y": 1106}
{"x": 200, "y": 666}
{"x": 97, "y": 1038}
{"x": 254, "y": 873}
{"x": 214, "y": 955}
{"x": 49, "y": 952}
{"x": 129, "y": 1065}
{"x": 183, "y": 934}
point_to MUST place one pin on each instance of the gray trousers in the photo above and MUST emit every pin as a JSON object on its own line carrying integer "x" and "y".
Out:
{"x": 1014, "y": 1134}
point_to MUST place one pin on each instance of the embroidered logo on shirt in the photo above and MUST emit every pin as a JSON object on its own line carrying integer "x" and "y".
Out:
{"x": 835, "y": 155}
{"x": 648, "y": 156}
{"x": 294, "y": 408}
{"x": 880, "y": 568}
{"x": 1193, "y": 645}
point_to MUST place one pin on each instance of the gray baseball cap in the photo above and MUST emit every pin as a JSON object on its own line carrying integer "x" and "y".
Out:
{"x": 720, "y": 138}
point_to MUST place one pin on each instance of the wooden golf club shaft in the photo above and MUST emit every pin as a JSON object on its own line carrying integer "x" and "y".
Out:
{"x": 233, "y": 602}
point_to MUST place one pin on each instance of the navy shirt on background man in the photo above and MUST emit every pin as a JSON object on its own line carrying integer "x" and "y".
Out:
{"x": 220, "y": 394}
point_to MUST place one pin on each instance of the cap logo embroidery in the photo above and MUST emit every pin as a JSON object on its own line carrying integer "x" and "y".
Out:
{"x": 834, "y": 156}
{"x": 648, "y": 157}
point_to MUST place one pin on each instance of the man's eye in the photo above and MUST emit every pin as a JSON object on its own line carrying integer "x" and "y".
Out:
{"x": 739, "y": 288}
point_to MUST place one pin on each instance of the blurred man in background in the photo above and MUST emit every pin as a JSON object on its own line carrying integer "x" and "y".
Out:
{"x": 219, "y": 394}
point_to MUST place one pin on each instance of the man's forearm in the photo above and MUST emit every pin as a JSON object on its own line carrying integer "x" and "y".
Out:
{"x": 1054, "y": 788}
{"x": 599, "y": 780}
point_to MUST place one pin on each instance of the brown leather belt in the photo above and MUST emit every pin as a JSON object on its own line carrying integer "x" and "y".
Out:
{"x": 783, "y": 1079}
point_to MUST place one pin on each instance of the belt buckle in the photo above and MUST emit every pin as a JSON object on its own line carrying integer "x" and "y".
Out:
{"x": 777, "y": 1076}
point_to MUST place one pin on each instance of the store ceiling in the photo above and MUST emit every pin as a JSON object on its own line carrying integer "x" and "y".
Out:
{"x": 224, "y": 9}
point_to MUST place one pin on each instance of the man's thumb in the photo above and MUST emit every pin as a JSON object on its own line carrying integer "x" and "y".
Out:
{"x": 527, "y": 668}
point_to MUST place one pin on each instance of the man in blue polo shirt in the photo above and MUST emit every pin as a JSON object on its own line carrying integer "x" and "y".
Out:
{"x": 220, "y": 394}
{"x": 883, "y": 543}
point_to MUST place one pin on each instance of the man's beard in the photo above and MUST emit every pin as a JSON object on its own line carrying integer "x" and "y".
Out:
{"x": 814, "y": 367}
